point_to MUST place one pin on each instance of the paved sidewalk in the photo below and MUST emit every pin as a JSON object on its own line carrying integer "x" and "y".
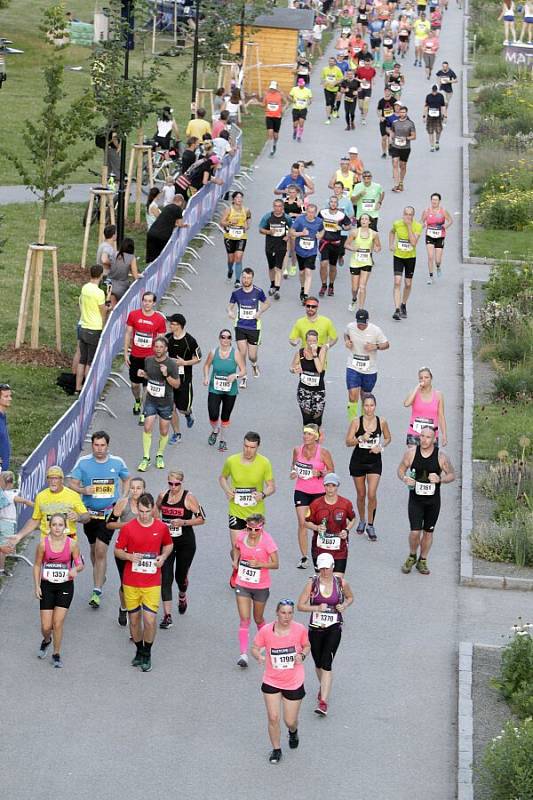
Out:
{"x": 77, "y": 193}
{"x": 196, "y": 725}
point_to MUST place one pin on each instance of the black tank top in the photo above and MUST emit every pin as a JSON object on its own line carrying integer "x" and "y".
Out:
{"x": 309, "y": 374}
{"x": 423, "y": 466}
{"x": 174, "y": 515}
{"x": 362, "y": 454}
{"x": 293, "y": 209}
{"x": 277, "y": 224}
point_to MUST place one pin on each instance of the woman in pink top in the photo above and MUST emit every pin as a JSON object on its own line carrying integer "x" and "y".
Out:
{"x": 256, "y": 553}
{"x": 427, "y": 410}
{"x": 430, "y": 48}
{"x": 310, "y": 462}
{"x": 286, "y": 645}
{"x": 57, "y": 562}
{"x": 437, "y": 220}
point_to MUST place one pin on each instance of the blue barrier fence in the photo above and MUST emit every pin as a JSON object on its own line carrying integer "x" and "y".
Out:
{"x": 63, "y": 444}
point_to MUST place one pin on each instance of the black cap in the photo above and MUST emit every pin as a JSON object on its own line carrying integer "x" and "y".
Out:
{"x": 178, "y": 318}
{"x": 361, "y": 315}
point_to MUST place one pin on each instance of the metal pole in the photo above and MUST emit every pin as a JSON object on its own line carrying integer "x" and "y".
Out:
{"x": 127, "y": 33}
{"x": 241, "y": 43}
{"x": 195, "y": 59}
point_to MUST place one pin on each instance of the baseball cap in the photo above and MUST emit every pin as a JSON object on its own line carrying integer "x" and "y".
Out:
{"x": 273, "y": 85}
{"x": 301, "y": 81}
{"x": 362, "y": 315}
{"x": 345, "y": 158}
{"x": 354, "y": 150}
{"x": 178, "y": 318}
{"x": 332, "y": 477}
{"x": 325, "y": 560}
{"x": 55, "y": 472}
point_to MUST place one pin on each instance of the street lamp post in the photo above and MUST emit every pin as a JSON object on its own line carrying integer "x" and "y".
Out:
{"x": 126, "y": 33}
{"x": 195, "y": 59}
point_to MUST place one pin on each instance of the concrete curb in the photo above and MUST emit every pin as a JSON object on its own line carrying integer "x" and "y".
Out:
{"x": 464, "y": 105}
{"x": 466, "y": 17}
{"x": 465, "y": 724}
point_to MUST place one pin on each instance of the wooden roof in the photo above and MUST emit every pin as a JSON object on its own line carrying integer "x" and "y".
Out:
{"x": 295, "y": 19}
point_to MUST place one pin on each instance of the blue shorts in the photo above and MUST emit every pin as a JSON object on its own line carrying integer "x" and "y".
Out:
{"x": 151, "y": 410}
{"x": 360, "y": 380}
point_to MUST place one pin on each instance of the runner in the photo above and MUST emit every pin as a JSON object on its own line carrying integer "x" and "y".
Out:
{"x": 345, "y": 205}
{"x": 362, "y": 339}
{"x": 350, "y": 86}
{"x": 100, "y": 479}
{"x": 307, "y": 230}
{"x": 369, "y": 435}
{"x": 345, "y": 176}
{"x": 310, "y": 462}
{"x": 368, "y": 196}
{"x": 423, "y": 469}
{"x": 275, "y": 226}
{"x": 144, "y": 544}
{"x": 142, "y": 327}
{"x": 437, "y": 220}
{"x": 402, "y": 132}
{"x": 296, "y": 177}
{"x": 325, "y": 597}
{"x": 293, "y": 206}
{"x": 273, "y": 103}
{"x": 246, "y": 306}
{"x": 301, "y": 97}
{"x": 435, "y": 115}
{"x": 310, "y": 364}
{"x": 385, "y": 111}
{"x": 447, "y": 78}
{"x": 430, "y": 49}
{"x": 57, "y": 562}
{"x": 421, "y": 27}
{"x": 162, "y": 377}
{"x": 256, "y": 553}
{"x": 330, "y": 79}
{"x": 235, "y": 220}
{"x": 366, "y": 74}
{"x": 395, "y": 81}
{"x": 227, "y": 366}
{"x": 427, "y": 410}
{"x": 403, "y": 239}
{"x": 184, "y": 349}
{"x": 388, "y": 40}
{"x": 331, "y": 519}
{"x": 404, "y": 33}
{"x": 286, "y": 646}
{"x": 182, "y": 513}
{"x": 303, "y": 69}
{"x": 246, "y": 480}
{"x": 335, "y": 221}
{"x": 327, "y": 335}
{"x": 363, "y": 242}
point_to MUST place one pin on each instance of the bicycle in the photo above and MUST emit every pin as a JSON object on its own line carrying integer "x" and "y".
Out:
{"x": 95, "y": 215}
{"x": 165, "y": 164}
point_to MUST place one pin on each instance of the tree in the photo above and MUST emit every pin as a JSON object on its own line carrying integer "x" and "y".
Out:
{"x": 220, "y": 26}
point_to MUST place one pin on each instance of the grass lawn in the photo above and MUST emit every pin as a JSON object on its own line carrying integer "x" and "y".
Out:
{"x": 499, "y": 426}
{"x": 492, "y": 243}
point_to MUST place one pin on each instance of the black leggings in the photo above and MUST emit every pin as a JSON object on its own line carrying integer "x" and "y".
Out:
{"x": 324, "y": 643}
{"x": 178, "y": 564}
{"x": 216, "y": 401}
{"x": 349, "y": 110}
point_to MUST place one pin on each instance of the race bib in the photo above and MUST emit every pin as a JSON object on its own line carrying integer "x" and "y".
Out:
{"x": 434, "y": 233}
{"x": 328, "y": 541}
{"x": 273, "y": 106}
{"x": 103, "y": 487}
{"x": 388, "y": 42}
{"x": 361, "y": 363}
{"x": 362, "y": 255}
{"x": 310, "y": 379}
{"x": 404, "y": 245}
{"x": 423, "y": 422}
{"x": 424, "y": 489}
{"x": 434, "y": 112}
{"x": 277, "y": 230}
{"x": 142, "y": 340}
{"x": 246, "y": 312}
{"x": 247, "y": 573}
{"x": 400, "y": 141}
{"x": 323, "y": 619}
{"x": 221, "y": 383}
{"x": 395, "y": 87}
{"x": 365, "y": 84}
{"x": 444, "y": 79}
{"x": 300, "y": 103}
{"x": 303, "y": 470}
{"x": 283, "y": 657}
{"x": 175, "y": 530}
{"x": 236, "y": 233}
{"x": 146, "y": 564}
{"x": 362, "y": 16}
{"x": 303, "y": 71}
{"x": 368, "y": 444}
{"x": 56, "y": 572}
{"x": 388, "y": 112}
{"x": 244, "y": 497}
{"x": 331, "y": 78}
{"x": 368, "y": 205}
{"x": 156, "y": 388}
{"x": 306, "y": 243}
{"x": 330, "y": 226}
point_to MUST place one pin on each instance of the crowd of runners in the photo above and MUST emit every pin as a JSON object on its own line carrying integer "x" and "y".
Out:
{"x": 156, "y": 540}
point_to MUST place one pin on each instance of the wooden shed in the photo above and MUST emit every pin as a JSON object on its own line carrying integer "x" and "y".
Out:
{"x": 276, "y": 38}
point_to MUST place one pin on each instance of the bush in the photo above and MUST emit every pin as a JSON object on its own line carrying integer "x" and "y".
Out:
{"x": 507, "y": 768}
{"x": 511, "y": 283}
{"x": 514, "y": 384}
{"x": 506, "y": 543}
{"x": 515, "y": 682}
{"x": 505, "y": 211}
{"x": 492, "y": 546}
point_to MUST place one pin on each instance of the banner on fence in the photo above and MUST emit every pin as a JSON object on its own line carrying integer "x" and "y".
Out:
{"x": 63, "y": 444}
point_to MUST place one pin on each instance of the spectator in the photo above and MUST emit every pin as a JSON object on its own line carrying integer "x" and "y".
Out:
{"x": 6, "y": 397}
{"x": 122, "y": 265}
{"x": 93, "y": 309}
{"x": 233, "y": 106}
{"x": 221, "y": 124}
{"x": 189, "y": 154}
{"x": 167, "y": 128}
{"x": 152, "y": 207}
{"x": 8, "y": 515}
{"x": 170, "y": 217}
{"x": 108, "y": 248}
{"x": 221, "y": 145}
{"x": 218, "y": 102}
{"x": 197, "y": 127}
{"x": 168, "y": 191}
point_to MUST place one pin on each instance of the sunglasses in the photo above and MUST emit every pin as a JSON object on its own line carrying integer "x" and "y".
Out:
{"x": 286, "y": 602}
{"x": 174, "y": 483}
{"x": 224, "y": 337}
{"x": 255, "y": 528}
{"x": 310, "y": 306}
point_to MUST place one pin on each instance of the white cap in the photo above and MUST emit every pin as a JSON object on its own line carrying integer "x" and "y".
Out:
{"x": 325, "y": 560}
{"x": 273, "y": 85}
{"x": 354, "y": 150}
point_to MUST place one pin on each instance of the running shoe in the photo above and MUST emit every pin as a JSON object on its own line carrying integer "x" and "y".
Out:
{"x": 222, "y": 446}
{"x": 292, "y": 270}
{"x": 212, "y": 438}
{"x": 431, "y": 149}
{"x": 328, "y": 122}
{"x": 303, "y": 298}
{"x": 56, "y": 661}
{"x": 430, "y": 280}
{"x": 331, "y": 291}
{"x": 275, "y": 757}
{"x": 371, "y": 533}
{"x": 255, "y": 371}
{"x": 422, "y": 566}
{"x": 397, "y": 314}
{"x": 271, "y": 291}
{"x": 439, "y": 272}
{"x": 285, "y": 273}
{"x": 175, "y": 438}
{"x": 141, "y": 419}
{"x": 143, "y": 464}
{"x": 294, "y": 133}
{"x": 122, "y": 617}
{"x": 229, "y": 276}
{"x": 334, "y": 114}
{"x": 352, "y": 306}
{"x": 302, "y": 295}
{"x": 363, "y": 121}
{"x": 182, "y": 603}
{"x": 189, "y": 419}
{"x": 41, "y": 653}
{"x": 137, "y": 408}
{"x": 146, "y": 665}
{"x": 303, "y": 563}
{"x": 166, "y": 622}
{"x": 322, "y": 708}
{"x": 237, "y": 285}
{"x": 94, "y": 602}
{"x": 243, "y": 660}
{"x": 159, "y": 462}
{"x": 437, "y": 146}
{"x": 403, "y": 311}
{"x": 323, "y": 290}
{"x": 409, "y": 563}
{"x": 361, "y": 527}
{"x": 298, "y": 138}
{"x": 294, "y": 741}
{"x": 384, "y": 155}
{"x": 137, "y": 660}
{"x": 277, "y": 295}
{"x": 244, "y": 381}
